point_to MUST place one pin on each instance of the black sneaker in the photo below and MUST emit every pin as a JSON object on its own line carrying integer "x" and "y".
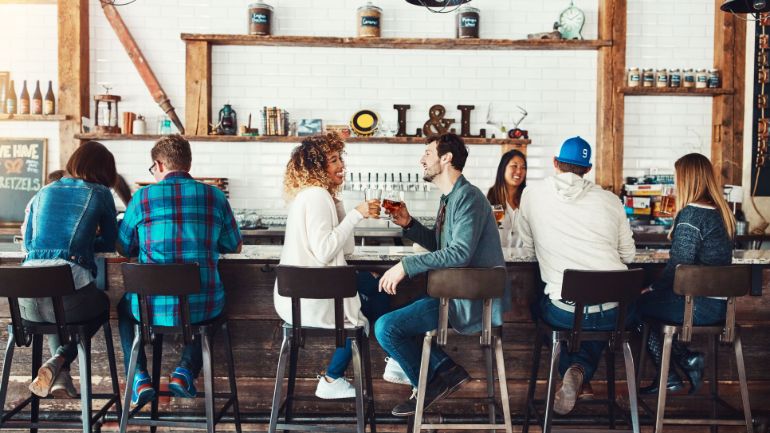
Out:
{"x": 440, "y": 387}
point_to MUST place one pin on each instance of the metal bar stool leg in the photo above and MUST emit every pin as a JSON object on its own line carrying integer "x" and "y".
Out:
{"x": 37, "y": 361}
{"x": 358, "y": 384}
{"x": 422, "y": 384}
{"x": 504, "y": 401}
{"x": 743, "y": 383}
{"x": 628, "y": 357}
{"x": 714, "y": 349}
{"x": 555, "y": 353}
{"x": 7, "y": 359}
{"x": 293, "y": 359}
{"x": 208, "y": 380}
{"x": 668, "y": 336}
{"x": 537, "y": 349}
{"x": 367, "y": 359}
{"x": 488, "y": 359}
{"x": 84, "y": 361}
{"x": 231, "y": 376}
{"x": 113, "y": 367}
{"x": 642, "y": 354}
{"x": 130, "y": 374}
{"x": 279, "y": 375}
{"x": 611, "y": 395}
{"x": 157, "y": 359}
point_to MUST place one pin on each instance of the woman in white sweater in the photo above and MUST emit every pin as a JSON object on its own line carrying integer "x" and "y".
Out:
{"x": 510, "y": 181}
{"x": 319, "y": 233}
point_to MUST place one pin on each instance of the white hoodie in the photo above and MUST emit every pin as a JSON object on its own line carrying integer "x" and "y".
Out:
{"x": 571, "y": 223}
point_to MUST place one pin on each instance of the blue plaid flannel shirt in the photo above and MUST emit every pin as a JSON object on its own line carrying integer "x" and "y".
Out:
{"x": 180, "y": 220}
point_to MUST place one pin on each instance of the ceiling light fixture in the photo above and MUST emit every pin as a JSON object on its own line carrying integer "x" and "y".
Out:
{"x": 439, "y": 6}
{"x": 752, "y": 7}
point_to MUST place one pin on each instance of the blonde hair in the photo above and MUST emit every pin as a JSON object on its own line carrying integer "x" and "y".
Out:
{"x": 696, "y": 182}
{"x": 308, "y": 162}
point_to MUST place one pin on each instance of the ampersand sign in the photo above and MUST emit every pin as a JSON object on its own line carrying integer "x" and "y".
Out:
{"x": 437, "y": 125}
{"x": 14, "y": 166}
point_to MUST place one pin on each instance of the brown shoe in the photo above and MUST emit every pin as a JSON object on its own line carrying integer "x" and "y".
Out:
{"x": 567, "y": 394}
{"x": 46, "y": 375}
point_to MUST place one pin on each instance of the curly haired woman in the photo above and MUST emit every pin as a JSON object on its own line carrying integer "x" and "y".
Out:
{"x": 319, "y": 233}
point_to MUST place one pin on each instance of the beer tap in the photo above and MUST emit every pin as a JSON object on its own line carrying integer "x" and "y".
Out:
{"x": 360, "y": 186}
{"x": 369, "y": 181}
{"x": 376, "y": 181}
{"x": 400, "y": 182}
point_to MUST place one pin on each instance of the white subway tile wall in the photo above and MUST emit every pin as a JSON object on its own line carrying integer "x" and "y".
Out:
{"x": 557, "y": 88}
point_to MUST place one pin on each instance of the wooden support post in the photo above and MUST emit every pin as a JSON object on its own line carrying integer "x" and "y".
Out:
{"x": 611, "y": 69}
{"x": 727, "y": 110}
{"x": 198, "y": 88}
{"x": 74, "y": 85}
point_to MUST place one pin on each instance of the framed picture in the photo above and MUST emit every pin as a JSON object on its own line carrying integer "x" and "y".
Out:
{"x": 309, "y": 127}
{"x": 23, "y": 172}
{"x": 5, "y": 78}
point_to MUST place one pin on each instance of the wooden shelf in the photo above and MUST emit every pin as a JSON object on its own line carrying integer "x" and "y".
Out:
{"x": 398, "y": 43}
{"x": 288, "y": 139}
{"x": 674, "y": 91}
{"x": 34, "y": 117}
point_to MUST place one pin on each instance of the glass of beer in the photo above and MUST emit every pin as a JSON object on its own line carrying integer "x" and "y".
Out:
{"x": 393, "y": 201}
{"x": 667, "y": 202}
{"x": 373, "y": 197}
{"x": 499, "y": 212}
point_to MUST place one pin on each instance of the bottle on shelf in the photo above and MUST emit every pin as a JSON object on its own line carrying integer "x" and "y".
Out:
{"x": 24, "y": 100}
{"x": 37, "y": 100}
{"x": 49, "y": 104}
{"x": 10, "y": 100}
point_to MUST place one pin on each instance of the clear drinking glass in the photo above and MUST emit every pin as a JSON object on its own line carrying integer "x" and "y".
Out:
{"x": 393, "y": 201}
{"x": 499, "y": 212}
{"x": 373, "y": 196}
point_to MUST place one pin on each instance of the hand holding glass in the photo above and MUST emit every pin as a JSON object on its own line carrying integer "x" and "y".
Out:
{"x": 499, "y": 212}
{"x": 373, "y": 200}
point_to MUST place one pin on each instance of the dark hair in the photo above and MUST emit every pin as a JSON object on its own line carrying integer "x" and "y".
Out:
{"x": 498, "y": 193}
{"x": 122, "y": 189}
{"x": 572, "y": 168}
{"x": 92, "y": 162}
{"x": 54, "y": 176}
{"x": 450, "y": 143}
{"x": 174, "y": 151}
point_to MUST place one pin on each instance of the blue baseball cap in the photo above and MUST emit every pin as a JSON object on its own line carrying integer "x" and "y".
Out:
{"x": 575, "y": 151}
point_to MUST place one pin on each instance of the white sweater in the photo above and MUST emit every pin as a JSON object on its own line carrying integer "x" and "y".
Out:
{"x": 318, "y": 234}
{"x": 571, "y": 223}
{"x": 509, "y": 237}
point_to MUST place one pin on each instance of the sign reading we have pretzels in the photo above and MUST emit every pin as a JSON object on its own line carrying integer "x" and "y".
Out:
{"x": 22, "y": 174}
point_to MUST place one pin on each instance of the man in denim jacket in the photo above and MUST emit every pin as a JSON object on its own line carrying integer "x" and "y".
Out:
{"x": 465, "y": 235}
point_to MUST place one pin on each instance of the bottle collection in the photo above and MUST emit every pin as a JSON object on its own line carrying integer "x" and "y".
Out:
{"x": 23, "y": 104}
{"x": 688, "y": 78}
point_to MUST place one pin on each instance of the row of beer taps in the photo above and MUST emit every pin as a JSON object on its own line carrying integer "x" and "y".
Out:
{"x": 386, "y": 182}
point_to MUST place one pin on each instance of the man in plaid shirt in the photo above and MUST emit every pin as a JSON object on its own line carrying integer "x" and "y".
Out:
{"x": 177, "y": 220}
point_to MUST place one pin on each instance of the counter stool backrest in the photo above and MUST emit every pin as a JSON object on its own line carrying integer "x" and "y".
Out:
{"x": 466, "y": 283}
{"x": 36, "y": 282}
{"x": 586, "y": 288}
{"x": 729, "y": 281}
{"x": 168, "y": 279}
{"x": 330, "y": 282}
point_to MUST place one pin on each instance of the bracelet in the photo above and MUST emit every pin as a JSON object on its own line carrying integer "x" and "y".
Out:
{"x": 409, "y": 225}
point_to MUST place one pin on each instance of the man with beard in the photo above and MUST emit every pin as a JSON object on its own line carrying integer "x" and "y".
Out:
{"x": 465, "y": 235}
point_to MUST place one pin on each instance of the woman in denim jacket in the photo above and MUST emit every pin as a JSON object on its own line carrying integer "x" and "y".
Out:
{"x": 68, "y": 221}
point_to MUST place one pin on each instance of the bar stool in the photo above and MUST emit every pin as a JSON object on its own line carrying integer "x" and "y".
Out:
{"x": 729, "y": 281}
{"x": 586, "y": 288}
{"x": 53, "y": 282}
{"x": 332, "y": 283}
{"x": 179, "y": 280}
{"x": 483, "y": 284}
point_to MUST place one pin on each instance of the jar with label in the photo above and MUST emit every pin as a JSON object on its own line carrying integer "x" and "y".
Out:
{"x": 260, "y": 19}
{"x": 661, "y": 78}
{"x": 369, "y": 21}
{"x": 634, "y": 77}
{"x": 715, "y": 80}
{"x": 701, "y": 79}
{"x": 140, "y": 126}
{"x": 648, "y": 78}
{"x": 689, "y": 78}
{"x": 467, "y": 23}
{"x": 675, "y": 78}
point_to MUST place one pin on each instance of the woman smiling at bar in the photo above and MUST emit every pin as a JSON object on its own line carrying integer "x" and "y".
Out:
{"x": 320, "y": 233}
{"x": 510, "y": 181}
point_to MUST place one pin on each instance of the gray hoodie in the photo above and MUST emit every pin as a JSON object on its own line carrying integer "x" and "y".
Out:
{"x": 571, "y": 223}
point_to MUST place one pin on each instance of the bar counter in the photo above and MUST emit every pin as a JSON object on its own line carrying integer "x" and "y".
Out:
{"x": 249, "y": 279}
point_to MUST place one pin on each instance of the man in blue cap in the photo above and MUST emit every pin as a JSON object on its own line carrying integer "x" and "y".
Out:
{"x": 571, "y": 223}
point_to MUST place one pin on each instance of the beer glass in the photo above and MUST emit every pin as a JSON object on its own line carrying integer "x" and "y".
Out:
{"x": 373, "y": 197}
{"x": 393, "y": 201}
{"x": 499, "y": 212}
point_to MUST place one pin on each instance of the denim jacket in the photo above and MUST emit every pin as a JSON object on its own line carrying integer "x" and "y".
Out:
{"x": 63, "y": 219}
{"x": 468, "y": 238}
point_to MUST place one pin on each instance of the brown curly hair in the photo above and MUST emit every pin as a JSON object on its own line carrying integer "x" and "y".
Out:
{"x": 308, "y": 162}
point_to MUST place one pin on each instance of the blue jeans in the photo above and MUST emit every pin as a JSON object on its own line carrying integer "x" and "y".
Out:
{"x": 192, "y": 356}
{"x": 590, "y": 352}
{"x": 398, "y": 333}
{"x": 373, "y": 304}
{"x": 667, "y": 306}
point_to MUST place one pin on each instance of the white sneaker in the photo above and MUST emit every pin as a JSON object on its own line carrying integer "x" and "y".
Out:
{"x": 43, "y": 382}
{"x": 338, "y": 388}
{"x": 63, "y": 386}
{"x": 394, "y": 373}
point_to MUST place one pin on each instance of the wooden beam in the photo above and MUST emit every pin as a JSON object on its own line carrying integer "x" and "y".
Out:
{"x": 28, "y": 2}
{"x": 611, "y": 72}
{"x": 727, "y": 110}
{"x": 74, "y": 85}
{"x": 198, "y": 88}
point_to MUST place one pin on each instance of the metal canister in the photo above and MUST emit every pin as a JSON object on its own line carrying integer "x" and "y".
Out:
{"x": 714, "y": 80}
{"x": 369, "y": 21}
{"x": 701, "y": 79}
{"x": 468, "y": 22}
{"x": 634, "y": 77}
{"x": 675, "y": 78}
{"x": 260, "y": 19}
{"x": 648, "y": 78}
{"x": 689, "y": 78}
{"x": 661, "y": 78}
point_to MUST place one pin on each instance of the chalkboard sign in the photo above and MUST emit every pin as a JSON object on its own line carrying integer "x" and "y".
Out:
{"x": 22, "y": 174}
